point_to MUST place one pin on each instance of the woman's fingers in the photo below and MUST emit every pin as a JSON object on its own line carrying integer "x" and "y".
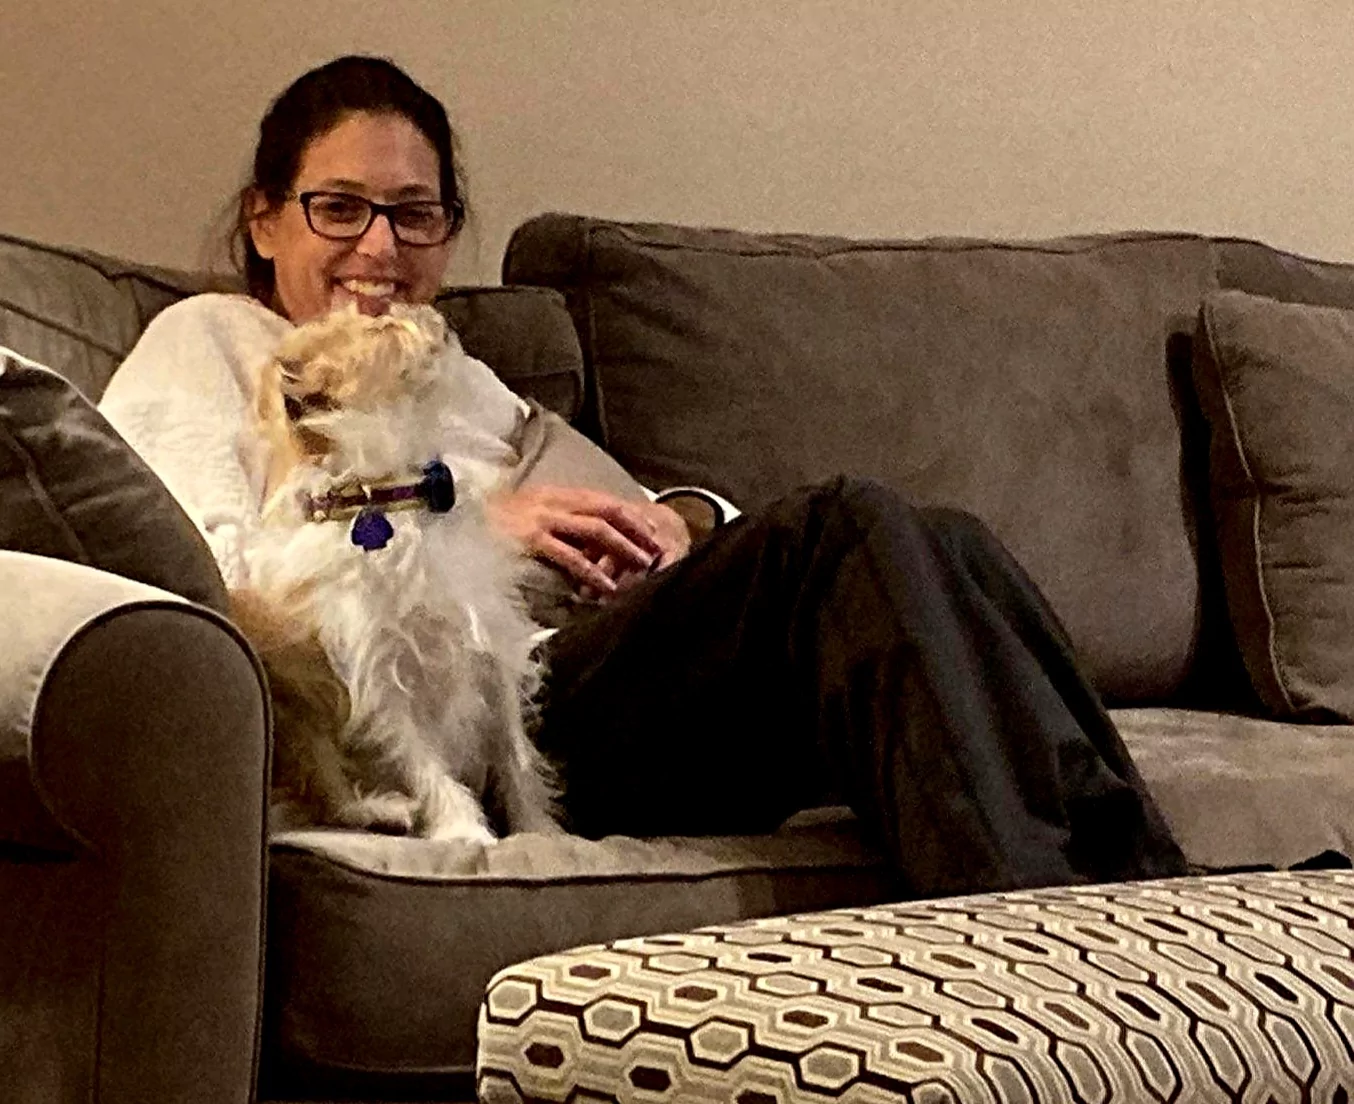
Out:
{"x": 633, "y": 521}
{"x": 603, "y": 542}
{"x": 629, "y": 519}
{"x": 601, "y": 534}
{"x": 576, "y": 563}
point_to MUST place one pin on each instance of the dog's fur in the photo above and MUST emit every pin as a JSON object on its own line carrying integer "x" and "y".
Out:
{"x": 402, "y": 678}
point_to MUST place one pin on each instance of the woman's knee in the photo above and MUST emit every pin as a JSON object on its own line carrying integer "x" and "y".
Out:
{"x": 959, "y": 525}
{"x": 872, "y": 505}
{"x": 858, "y": 507}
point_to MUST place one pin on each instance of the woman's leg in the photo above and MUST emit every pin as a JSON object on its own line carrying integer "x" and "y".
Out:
{"x": 845, "y": 642}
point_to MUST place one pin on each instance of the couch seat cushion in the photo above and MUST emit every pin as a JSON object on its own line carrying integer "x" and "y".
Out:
{"x": 1197, "y": 988}
{"x": 1238, "y": 791}
{"x": 379, "y": 947}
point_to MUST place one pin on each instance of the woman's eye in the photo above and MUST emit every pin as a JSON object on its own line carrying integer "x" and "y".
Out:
{"x": 340, "y": 209}
{"x": 418, "y": 218}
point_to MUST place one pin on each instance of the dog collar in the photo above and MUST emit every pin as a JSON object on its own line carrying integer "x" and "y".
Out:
{"x": 368, "y": 503}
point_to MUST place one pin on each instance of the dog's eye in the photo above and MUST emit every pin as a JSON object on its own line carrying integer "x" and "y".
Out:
{"x": 298, "y": 406}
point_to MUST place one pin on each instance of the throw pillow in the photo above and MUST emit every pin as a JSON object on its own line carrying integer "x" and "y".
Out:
{"x": 71, "y": 488}
{"x": 556, "y": 454}
{"x": 1276, "y": 382}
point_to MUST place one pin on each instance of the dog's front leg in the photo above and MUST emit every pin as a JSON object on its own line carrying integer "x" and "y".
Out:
{"x": 447, "y": 810}
{"x": 528, "y": 797}
{"x": 526, "y": 784}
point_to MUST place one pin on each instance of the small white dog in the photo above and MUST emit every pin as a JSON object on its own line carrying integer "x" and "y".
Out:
{"x": 391, "y": 622}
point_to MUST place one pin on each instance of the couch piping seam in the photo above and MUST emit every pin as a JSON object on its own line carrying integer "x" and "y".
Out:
{"x": 1234, "y": 431}
{"x": 1078, "y": 244}
{"x": 873, "y": 865}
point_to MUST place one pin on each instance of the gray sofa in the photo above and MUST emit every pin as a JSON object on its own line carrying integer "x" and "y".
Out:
{"x": 1048, "y": 387}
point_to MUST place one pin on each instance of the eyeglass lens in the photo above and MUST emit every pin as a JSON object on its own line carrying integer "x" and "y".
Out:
{"x": 342, "y": 216}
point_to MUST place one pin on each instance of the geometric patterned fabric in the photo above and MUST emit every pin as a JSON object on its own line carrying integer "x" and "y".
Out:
{"x": 1226, "y": 988}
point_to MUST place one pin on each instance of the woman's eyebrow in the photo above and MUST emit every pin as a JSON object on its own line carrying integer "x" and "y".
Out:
{"x": 341, "y": 184}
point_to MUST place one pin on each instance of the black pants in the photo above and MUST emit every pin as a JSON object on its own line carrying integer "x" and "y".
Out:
{"x": 846, "y": 643}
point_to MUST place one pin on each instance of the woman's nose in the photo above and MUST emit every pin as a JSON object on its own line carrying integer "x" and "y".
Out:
{"x": 379, "y": 240}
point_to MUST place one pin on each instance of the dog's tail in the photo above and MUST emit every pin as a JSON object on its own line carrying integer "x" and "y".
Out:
{"x": 311, "y": 705}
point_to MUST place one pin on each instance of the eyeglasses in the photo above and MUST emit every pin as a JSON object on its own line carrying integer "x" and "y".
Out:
{"x": 341, "y": 216}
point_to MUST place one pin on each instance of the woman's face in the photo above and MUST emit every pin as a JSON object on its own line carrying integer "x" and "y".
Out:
{"x": 381, "y": 157}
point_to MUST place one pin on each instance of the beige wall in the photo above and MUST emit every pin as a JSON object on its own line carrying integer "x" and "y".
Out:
{"x": 125, "y": 125}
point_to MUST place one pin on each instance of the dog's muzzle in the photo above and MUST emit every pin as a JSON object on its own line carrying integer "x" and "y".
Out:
{"x": 368, "y": 503}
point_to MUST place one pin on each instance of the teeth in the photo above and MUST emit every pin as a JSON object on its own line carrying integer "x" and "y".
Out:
{"x": 369, "y": 288}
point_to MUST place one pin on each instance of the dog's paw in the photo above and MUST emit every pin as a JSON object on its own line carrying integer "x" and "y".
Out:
{"x": 389, "y": 813}
{"x": 463, "y": 831}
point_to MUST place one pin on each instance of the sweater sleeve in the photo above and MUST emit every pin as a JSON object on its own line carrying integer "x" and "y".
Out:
{"x": 180, "y": 400}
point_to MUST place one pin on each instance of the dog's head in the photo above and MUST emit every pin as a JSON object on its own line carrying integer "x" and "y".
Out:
{"x": 351, "y": 361}
{"x": 341, "y": 372}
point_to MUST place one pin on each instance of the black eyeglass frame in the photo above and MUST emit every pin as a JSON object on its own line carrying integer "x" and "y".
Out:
{"x": 454, "y": 211}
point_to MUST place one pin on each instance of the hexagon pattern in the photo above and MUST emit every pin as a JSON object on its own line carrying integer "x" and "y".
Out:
{"x": 1236, "y": 988}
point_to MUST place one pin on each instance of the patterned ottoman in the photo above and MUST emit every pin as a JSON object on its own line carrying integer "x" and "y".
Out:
{"x": 1230, "y": 988}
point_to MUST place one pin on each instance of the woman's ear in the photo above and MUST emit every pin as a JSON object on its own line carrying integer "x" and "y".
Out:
{"x": 262, "y": 225}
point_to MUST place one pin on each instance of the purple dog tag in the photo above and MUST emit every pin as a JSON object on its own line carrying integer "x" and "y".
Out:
{"x": 371, "y": 530}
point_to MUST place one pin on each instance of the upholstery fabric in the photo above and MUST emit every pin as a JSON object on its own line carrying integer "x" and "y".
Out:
{"x": 71, "y": 488}
{"x": 1276, "y": 382}
{"x": 77, "y": 312}
{"x": 80, "y": 313}
{"x": 133, "y": 769}
{"x": 1261, "y": 269}
{"x": 1202, "y": 989}
{"x": 379, "y": 948}
{"x": 1020, "y": 381}
{"x": 526, "y": 336}
{"x": 347, "y": 906}
{"x": 1239, "y": 790}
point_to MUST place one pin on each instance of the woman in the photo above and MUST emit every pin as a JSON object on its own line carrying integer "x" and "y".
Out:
{"x": 841, "y": 643}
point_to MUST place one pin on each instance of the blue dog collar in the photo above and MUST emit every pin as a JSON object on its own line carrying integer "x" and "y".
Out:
{"x": 368, "y": 503}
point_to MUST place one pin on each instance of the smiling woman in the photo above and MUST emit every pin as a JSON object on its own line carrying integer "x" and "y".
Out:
{"x": 841, "y": 643}
{"x": 354, "y": 197}
{"x": 326, "y": 241}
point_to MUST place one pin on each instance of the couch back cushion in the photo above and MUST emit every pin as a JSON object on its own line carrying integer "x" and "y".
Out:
{"x": 1259, "y": 269}
{"x": 1038, "y": 385}
{"x": 72, "y": 489}
{"x": 80, "y": 313}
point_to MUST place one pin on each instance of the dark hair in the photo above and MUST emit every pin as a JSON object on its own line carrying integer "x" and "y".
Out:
{"x": 313, "y": 105}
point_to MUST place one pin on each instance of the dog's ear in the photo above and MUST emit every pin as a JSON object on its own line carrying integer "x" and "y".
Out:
{"x": 269, "y": 402}
{"x": 277, "y": 442}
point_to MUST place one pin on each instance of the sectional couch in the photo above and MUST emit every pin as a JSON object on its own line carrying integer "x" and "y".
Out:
{"x": 1154, "y": 425}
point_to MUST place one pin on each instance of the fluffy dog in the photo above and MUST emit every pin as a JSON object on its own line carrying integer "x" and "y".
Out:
{"x": 400, "y": 663}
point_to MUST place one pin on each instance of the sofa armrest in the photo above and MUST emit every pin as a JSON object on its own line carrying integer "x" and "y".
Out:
{"x": 134, "y": 733}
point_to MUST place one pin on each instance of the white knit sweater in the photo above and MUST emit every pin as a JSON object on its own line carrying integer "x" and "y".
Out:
{"x": 181, "y": 400}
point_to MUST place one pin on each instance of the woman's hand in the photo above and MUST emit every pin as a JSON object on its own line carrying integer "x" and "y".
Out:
{"x": 673, "y": 536}
{"x": 602, "y": 542}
